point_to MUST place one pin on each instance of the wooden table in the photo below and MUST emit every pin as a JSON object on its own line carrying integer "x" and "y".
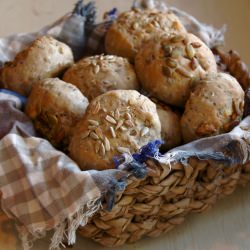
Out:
{"x": 226, "y": 226}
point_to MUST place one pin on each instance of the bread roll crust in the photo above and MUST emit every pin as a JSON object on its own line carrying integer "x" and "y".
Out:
{"x": 132, "y": 28}
{"x": 55, "y": 107}
{"x": 96, "y": 75}
{"x": 44, "y": 58}
{"x": 214, "y": 107}
{"x": 169, "y": 66}
{"x": 116, "y": 122}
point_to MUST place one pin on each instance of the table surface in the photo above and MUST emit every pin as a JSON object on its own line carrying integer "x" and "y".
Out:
{"x": 225, "y": 226}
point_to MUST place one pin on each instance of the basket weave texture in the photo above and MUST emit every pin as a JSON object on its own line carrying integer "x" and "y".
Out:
{"x": 154, "y": 205}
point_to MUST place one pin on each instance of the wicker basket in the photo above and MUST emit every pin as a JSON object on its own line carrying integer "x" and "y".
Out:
{"x": 154, "y": 205}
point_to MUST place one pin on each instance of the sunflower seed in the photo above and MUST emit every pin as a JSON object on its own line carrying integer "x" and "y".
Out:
{"x": 119, "y": 124}
{"x": 196, "y": 45}
{"x": 94, "y": 136}
{"x": 93, "y": 122}
{"x": 122, "y": 128}
{"x": 166, "y": 71}
{"x": 190, "y": 51}
{"x": 110, "y": 119}
{"x": 102, "y": 150}
{"x": 183, "y": 72}
{"x": 171, "y": 63}
{"x": 144, "y": 131}
{"x": 123, "y": 150}
{"x": 117, "y": 114}
{"x": 97, "y": 146}
{"x": 177, "y": 38}
{"x": 128, "y": 116}
{"x": 112, "y": 113}
{"x": 97, "y": 108}
{"x": 106, "y": 144}
{"x": 194, "y": 64}
{"x": 96, "y": 69}
{"x": 84, "y": 134}
{"x": 112, "y": 132}
{"x": 99, "y": 133}
{"x": 129, "y": 123}
{"x": 92, "y": 127}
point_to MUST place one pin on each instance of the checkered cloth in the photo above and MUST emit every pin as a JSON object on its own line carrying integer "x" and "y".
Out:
{"x": 42, "y": 189}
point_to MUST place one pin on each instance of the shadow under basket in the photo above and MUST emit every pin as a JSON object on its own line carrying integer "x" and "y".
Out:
{"x": 154, "y": 205}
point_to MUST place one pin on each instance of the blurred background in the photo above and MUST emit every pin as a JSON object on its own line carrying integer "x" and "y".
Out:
{"x": 30, "y": 15}
{"x": 226, "y": 226}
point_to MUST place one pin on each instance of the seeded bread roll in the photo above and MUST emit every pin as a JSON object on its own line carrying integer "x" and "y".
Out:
{"x": 169, "y": 66}
{"x": 44, "y": 58}
{"x": 55, "y": 107}
{"x": 119, "y": 121}
{"x": 98, "y": 74}
{"x": 170, "y": 126}
{"x": 133, "y": 28}
{"x": 214, "y": 107}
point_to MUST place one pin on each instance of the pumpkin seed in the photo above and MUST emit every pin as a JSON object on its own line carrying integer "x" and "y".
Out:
{"x": 177, "y": 38}
{"x": 183, "y": 72}
{"x": 171, "y": 63}
{"x": 190, "y": 51}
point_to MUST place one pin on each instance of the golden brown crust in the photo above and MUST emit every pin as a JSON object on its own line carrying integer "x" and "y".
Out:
{"x": 169, "y": 66}
{"x": 44, "y": 58}
{"x": 55, "y": 107}
{"x": 214, "y": 107}
{"x": 98, "y": 74}
{"x": 116, "y": 122}
{"x": 170, "y": 126}
{"x": 133, "y": 28}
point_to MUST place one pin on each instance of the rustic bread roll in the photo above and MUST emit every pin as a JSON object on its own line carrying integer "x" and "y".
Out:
{"x": 119, "y": 121}
{"x": 169, "y": 66}
{"x": 44, "y": 58}
{"x": 133, "y": 28}
{"x": 214, "y": 107}
{"x": 170, "y": 125}
{"x": 98, "y": 74}
{"x": 55, "y": 107}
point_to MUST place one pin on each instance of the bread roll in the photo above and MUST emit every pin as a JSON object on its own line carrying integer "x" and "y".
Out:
{"x": 169, "y": 66}
{"x": 214, "y": 107}
{"x": 119, "y": 121}
{"x": 134, "y": 27}
{"x": 98, "y": 74}
{"x": 44, "y": 58}
{"x": 55, "y": 107}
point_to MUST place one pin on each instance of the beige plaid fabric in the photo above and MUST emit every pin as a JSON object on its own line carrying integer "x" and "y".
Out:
{"x": 41, "y": 187}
